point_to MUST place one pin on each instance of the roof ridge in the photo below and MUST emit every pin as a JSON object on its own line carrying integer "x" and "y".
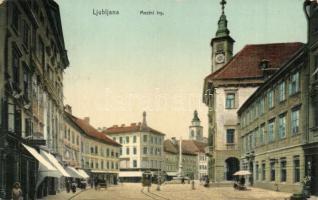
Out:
{"x": 273, "y": 43}
{"x": 245, "y": 63}
{"x": 81, "y": 123}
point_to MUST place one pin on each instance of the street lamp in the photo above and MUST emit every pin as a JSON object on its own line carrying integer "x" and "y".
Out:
{"x": 158, "y": 177}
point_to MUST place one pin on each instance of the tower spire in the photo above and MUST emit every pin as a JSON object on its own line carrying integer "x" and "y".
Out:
{"x": 223, "y": 2}
{"x": 222, "y": 31}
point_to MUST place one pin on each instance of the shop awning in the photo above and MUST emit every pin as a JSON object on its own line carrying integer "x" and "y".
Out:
{"x": 103, "y": 172}
{"x": 83, "y": 173}
{"x": 54, "y": 162}
{"x": 45, "y": 167}
{"x": 130, "y": 174}
{"x": 73, "y": 172}
{"x": 172, "y": 173}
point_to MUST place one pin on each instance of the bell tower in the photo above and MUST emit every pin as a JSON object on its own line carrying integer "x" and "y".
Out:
{"x": 196, "y": 130}
{"x": 222, "y": 43}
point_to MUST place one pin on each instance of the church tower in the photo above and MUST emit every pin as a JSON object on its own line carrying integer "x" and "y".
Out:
{"x": 196, "y": 130}
{"x": 222, "y": 43}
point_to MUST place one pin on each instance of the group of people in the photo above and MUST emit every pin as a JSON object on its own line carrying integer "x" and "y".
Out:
{"x": 98, "y": 183}
{"x": 70, "y": 185}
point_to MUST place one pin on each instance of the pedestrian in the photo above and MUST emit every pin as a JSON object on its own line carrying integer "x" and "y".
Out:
{"x": 242, "y": 181}
{"x": 16, "y": 191}
{"x": 96, "y": 183}
{"x": 68, "y": 186}
{"x": 73, "y": 185}
{"x": 92, "y": 182}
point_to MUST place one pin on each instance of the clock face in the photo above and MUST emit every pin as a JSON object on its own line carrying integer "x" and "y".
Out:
{"x": 220, "y": 58}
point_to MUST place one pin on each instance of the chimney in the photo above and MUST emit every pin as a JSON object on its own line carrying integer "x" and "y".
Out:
{"x": 68, "y": 109}
{"x": 122, "y": 125}
{"x": 86, "y": 119}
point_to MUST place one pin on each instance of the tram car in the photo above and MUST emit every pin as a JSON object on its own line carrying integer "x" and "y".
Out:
{"x": 146, "y": 179}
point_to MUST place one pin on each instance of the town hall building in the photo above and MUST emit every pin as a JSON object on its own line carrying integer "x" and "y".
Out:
{"x": 233, "y": 79}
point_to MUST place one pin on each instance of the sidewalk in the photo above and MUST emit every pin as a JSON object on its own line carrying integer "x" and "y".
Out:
{"x": 64, "y": 195}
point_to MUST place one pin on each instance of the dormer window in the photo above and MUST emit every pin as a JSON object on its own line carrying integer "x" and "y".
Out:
{"x": 264, "y": 64}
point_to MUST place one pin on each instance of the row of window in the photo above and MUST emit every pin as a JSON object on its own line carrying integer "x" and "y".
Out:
{"x": 70, "y": 136}
{"x": 259, "y": 137}
{"x": 24, "y": 29}
{"x": 258, "y": 108}
{"x": 127, "y": 152}
{"x": 203, "y": 167}
{"x": 151, "y": 164}
{"x": 202, "y": 158}
{"x": 282, "y": 165}
{"x": 171, "y": 167}
{"x": 152, "y": 151}
{"x": 104, "y": 152}
{"x": 101, "y": 164}
{"x": 126, "y": 139}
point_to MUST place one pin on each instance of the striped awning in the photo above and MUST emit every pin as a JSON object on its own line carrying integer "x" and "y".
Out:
{"x": 54, "y": 162}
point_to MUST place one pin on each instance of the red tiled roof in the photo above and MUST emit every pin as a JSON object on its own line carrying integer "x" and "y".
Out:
{"x": 193, "y": 146}
{"x": 91, "y": 131}
{"x": 134, "y": 127}
{"x": 245, "y": 64}
{"x": 168, "y": 146}
{"x": 189, "y": 147}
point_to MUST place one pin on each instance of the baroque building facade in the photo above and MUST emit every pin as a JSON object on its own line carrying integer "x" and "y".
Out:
{"x": 279, "y": 138}
{"x": 33, "y": 59}
{"x": 272, "y": 128}
{"x": 142, "y": 149}
{"x": 278, "y": 122}
{"x": 232, "y": 81}
{"x": 92, "y": 151}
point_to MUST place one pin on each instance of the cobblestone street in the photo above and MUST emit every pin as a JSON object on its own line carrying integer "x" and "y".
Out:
{"x": 179, "y": 192}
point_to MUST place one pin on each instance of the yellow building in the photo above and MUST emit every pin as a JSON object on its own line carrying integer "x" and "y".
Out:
{"x": 99, "y": 154}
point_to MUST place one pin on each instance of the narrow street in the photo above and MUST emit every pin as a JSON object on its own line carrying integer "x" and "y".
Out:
{"x": 134, "y": 191}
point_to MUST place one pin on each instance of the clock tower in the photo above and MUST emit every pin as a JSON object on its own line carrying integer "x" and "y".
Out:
{"x": 222, "y": 43}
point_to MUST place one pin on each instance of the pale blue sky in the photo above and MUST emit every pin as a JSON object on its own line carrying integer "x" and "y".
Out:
{"x": 127, "y": 63}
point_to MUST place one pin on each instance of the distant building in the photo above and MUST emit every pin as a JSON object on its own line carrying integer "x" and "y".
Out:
{"x": 99, "y": 154}
{"x": 196, "y": 130}
{"x": 194, "y": 159}
{"x": 232, "y": 81}
{"x": 142, "y": 149}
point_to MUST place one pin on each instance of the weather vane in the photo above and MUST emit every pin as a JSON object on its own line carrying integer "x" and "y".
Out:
{"x": 223, "y": 2}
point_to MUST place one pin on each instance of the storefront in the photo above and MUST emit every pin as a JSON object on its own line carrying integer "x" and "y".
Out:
{"x": 46, "y": 176}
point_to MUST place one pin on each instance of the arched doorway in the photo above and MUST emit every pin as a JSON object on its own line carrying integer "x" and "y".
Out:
{"x": 232, "y": 165}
